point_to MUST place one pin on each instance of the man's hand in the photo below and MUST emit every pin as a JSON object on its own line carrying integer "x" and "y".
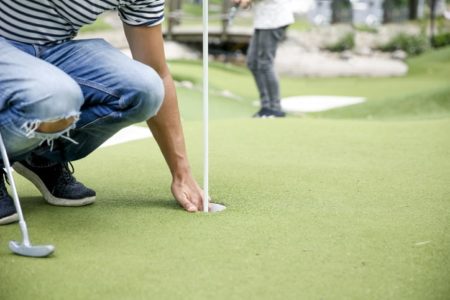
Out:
{"x": 188, "y": 193}
{"x": 147, "y": 46}
{"x": 243, "y": 3}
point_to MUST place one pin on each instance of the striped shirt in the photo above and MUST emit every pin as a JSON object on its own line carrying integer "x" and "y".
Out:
{"x": 49, "y": 21}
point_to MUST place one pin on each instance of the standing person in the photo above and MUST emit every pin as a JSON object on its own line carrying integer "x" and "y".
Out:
{"x": 61, "y": 98}
{"x": 271, "y": 19}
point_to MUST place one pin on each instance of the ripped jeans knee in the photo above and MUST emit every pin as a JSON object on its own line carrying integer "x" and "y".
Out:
{"x": 22, "y": 136}
{"x": 31, "y": 131}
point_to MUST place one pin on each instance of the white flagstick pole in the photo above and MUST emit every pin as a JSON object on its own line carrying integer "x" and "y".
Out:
{"x": 205, "y": 105}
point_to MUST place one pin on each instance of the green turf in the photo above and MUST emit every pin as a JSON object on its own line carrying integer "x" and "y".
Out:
{"x": 423, "y": 93}
{"x": 317, "y": 208}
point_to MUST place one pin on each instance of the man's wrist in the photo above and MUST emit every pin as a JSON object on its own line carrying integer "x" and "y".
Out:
{"x": 181, "y": 171}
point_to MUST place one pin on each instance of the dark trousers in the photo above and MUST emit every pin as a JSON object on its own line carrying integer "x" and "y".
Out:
{"x": 260, "y": 60}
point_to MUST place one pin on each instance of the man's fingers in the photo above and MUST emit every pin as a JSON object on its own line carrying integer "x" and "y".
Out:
{"x": 196, "y": 200}
{"x": 190, "y": 207}
{"x": 189, "y": 195}
{"x": 187, "y": 205}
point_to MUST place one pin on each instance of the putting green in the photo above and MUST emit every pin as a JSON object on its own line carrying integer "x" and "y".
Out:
{"x": 316, "y": 210}
{"x": 339, "y": 208}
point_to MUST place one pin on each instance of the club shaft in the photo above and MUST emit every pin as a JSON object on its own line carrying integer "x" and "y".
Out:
{"x": 232, "y": 14}
{"x": 22, "y": 224}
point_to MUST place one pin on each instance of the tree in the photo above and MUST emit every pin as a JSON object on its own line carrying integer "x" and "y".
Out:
{"x": 413, "y": 4}
{"x": 341, "y": 11}
{"x": 390, "y": 5}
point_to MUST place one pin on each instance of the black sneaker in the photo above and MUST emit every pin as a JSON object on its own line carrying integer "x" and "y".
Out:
{"x": 278, "y": 113}
{"x": 269, "y": 113}
{"x": 8, "y": 213}
{"x": 263, "y": 113}
{"x": 57, "y": 184}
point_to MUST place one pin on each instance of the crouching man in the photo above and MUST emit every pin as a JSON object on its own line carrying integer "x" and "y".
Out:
{"x": 61, "y": 98}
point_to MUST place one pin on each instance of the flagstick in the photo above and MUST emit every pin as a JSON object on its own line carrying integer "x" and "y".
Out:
{"x": 205, "y": 105}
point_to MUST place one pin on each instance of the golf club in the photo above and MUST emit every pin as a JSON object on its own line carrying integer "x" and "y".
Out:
{"x": 207, "y": 207}
{"x": 232, "y": 13}
{"x": 24, "y": 249}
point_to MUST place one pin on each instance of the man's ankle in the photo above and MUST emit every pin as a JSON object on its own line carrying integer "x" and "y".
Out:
{"x": 39, "y": 161}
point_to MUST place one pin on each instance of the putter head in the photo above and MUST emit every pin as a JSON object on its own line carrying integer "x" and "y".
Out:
{"x": 215, "y": 207}
{"x": 31, "y": 251}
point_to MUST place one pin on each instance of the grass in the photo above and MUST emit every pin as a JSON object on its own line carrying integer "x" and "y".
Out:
{"x": 424, "y": 93}
{"x": 360, "y": 208}
{"x": 331, "y": 206}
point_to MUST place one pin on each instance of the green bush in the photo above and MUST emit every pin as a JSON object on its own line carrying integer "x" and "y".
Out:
{"x": 441, "y": 40}
{"x": 411, "y": 44}
{"x": 347, "y": 42}
{"x": 365, "y": 28}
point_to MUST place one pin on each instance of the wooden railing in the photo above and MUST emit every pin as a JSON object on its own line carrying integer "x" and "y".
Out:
{"x": 175, "y": 17}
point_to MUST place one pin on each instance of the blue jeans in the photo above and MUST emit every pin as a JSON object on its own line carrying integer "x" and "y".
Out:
{"x": 86, "y": 79}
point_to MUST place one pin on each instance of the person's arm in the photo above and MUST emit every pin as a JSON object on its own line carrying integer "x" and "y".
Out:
{"x": 147, "y": 46}
{"x": 243, "y": 3}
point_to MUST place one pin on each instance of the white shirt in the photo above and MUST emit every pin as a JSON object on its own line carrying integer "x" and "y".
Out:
{"x": 271, "y": 14}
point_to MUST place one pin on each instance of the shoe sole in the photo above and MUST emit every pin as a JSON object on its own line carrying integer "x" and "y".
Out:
{"x": 9, "y": 219}
{"x": 39, "y": 184}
